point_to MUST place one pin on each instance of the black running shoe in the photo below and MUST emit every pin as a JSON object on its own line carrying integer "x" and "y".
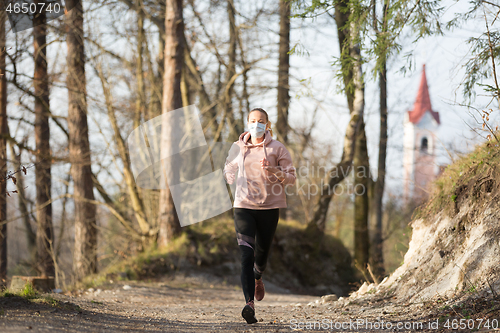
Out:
{"x": 248, "y": 313}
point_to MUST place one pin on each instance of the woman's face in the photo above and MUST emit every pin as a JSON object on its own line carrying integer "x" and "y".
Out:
{"x": 257, "y": 117}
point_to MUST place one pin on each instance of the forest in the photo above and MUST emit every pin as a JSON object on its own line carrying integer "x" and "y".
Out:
{"x": 88, "y": 88}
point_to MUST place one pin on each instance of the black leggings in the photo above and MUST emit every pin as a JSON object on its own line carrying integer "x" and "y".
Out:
{"x": 254, "y": 231}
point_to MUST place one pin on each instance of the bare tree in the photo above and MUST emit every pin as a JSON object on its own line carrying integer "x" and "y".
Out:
{"x": 140, "y": 101}
{"x": 283, "y": 76}
{"x": 168, "y": 223}
{"x": 3, "y": 151}
{"x": 44, "y": 235}
{"x": 377, "y": 255}
{"x": 353, "y": 82}
{"x": 283, "y": 72}
{"x": 361, "y": 203}
{"x": 85, "y": 248}
{"x": 235, "y": 127}
{"x": 136, "y": 201}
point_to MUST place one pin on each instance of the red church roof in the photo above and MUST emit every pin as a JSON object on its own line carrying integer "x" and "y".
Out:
{"x": 422, "y": 103}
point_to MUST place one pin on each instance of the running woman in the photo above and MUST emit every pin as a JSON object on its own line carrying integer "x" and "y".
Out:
{"x": 265, "y": 167}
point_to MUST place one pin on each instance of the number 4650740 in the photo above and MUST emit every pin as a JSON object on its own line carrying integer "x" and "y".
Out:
{"x": 463, "y": 324}
{"x": 32, "y": 8}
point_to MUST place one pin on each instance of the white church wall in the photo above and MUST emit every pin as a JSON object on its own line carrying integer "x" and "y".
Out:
{"x": 414, "y": 159}
{"x": 408, "y": 156}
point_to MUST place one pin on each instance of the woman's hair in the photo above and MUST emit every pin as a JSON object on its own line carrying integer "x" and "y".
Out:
{"x": 267, "y": 118}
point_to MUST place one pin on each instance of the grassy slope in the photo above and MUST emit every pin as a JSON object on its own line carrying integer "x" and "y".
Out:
{"x": 472, "y": 176}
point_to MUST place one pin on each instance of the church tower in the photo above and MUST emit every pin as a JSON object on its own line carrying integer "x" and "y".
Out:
{"x": 419, "y": 161}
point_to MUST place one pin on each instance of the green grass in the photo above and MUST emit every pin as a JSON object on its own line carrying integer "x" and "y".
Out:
{"x": 32, "y": 295}
{"x": 29, "y": 292}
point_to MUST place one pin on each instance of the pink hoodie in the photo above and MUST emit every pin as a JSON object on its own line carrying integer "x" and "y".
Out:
{"x": 255, "y": 187}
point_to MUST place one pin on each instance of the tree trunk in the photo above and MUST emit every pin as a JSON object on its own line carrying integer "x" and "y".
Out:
{"x": 44, "y": 234}
{"x": 235, "y": 128}
{"x": 85, "y": 248}
{"x": 283, "y": 74}
{"x": 344, "y": 36}
{"x": 342, "y": 203}
{"x": 186, "y": 99}
{"x": 140, "y": 101}
{"x": 3, "y": 152}
{"x": 168, "y": 223}
{"x": 352, "y": 76}
{"x": 361, "y": 205}
{"x": 377, "y": 246}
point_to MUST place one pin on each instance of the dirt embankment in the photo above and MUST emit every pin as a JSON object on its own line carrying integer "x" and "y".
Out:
{"x": 452, "y": 266}
{"x": 455, "y": 242}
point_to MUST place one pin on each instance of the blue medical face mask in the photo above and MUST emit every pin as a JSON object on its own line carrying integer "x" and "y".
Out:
{"x": 257, "y": 130}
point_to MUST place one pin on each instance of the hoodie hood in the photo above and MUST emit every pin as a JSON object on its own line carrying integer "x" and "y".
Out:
{"x": 245, "y": 143}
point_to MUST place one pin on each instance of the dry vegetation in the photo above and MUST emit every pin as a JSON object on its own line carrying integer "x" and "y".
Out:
{"x": 297, "y": 263}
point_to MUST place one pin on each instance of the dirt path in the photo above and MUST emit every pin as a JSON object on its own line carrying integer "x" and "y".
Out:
{"x": 185, "y": 305}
